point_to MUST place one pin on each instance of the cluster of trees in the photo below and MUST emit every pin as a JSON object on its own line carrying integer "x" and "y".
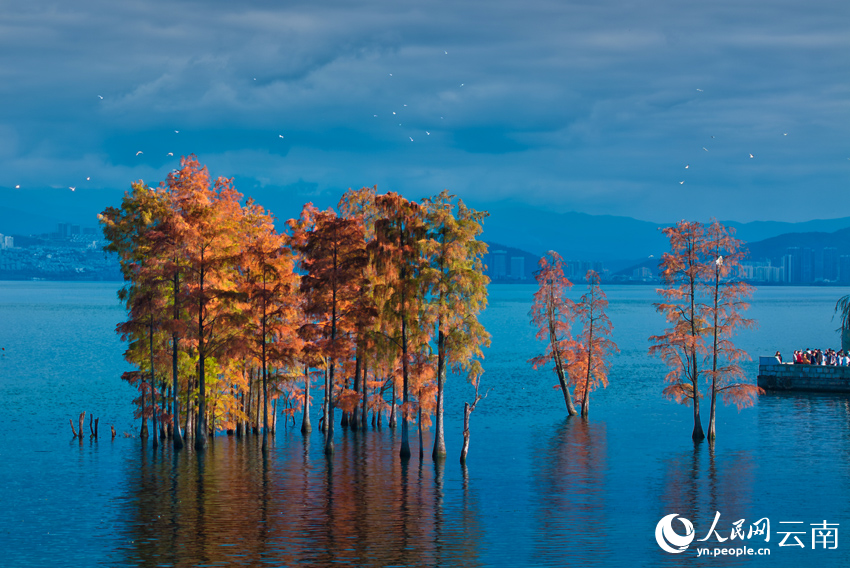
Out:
{"x": 580, "y": 361}
{"x": 703, "y": 302}
{"x": 230, "y": 321}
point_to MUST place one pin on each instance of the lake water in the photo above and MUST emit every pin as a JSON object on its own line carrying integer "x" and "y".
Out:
{"x": 538, "y": 489}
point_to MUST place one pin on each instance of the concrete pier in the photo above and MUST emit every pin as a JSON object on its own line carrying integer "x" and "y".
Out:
{"x": 777, "y": 376}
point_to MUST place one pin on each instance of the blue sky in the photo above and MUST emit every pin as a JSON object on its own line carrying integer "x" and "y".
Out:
{"x": 595, "y": 107}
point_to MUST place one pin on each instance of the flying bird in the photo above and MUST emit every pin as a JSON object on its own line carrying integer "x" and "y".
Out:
{"x": 687, "y": 166}
{"x": 88, "y": 179}
{"x": 139, "y": 153}
{"x": 751, "y": 155}
{"x": 700, "y": 90}
{"x": 784, "y": 134}
{"x": 17, "y": 187}
{"x": 72, "y": 188}
{"x": 681, "y": 182}
{"x": 428, "y": 133}
{"x": 704, "y": 148}
{"x": 280, "y": 135}
{"x": 171, "y": 153}
{"x": 446, "y": 52}
{"x": 100, "y": 97}
{"x": 411, "y": 138}
{"x": 719, "y": 261}
{"x": 176, "y": 132}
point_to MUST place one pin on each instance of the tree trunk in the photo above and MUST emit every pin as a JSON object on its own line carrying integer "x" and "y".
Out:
{"x": 354, "y": 421}
{"x": 306, "y": 427}
{"x": 465, "y": 449}
{"x": 265, "y": 388}
{"x": 419, "y": 425}
{"x": 201, "y": 426}
{"x": 392, "y": 420}
{"x": 404, "y": 453}
{"x": 177, "y": 438}
{"x": 365, "y": 412}
{"x": 439, "y": 452}
{"x": 711, "y": 429}
{"x": 329, "y": 425}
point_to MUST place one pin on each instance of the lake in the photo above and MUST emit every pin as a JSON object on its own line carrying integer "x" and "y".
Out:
{"x": 538, "y": 489}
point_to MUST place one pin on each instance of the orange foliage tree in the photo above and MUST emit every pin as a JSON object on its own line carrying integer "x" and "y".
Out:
{"x": 703, "y": 304}
{"x": 588, "y": 366}
{"x": 682, "y": 346}
{"x": 552, "y": 313}
{"x": 269, "y": 284}
{"x": 333, "y": 257}
{"x": 726, "y": 296}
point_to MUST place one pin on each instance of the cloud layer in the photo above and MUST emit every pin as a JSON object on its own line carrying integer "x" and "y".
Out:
{"x": 588, "y": 106}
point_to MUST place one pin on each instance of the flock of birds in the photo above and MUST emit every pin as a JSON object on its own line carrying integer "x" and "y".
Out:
{"x": 394, "y": 113}
{"x": 687, "y": 166}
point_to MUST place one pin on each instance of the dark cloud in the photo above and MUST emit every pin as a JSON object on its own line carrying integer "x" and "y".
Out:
{"x": 588, "y": 106}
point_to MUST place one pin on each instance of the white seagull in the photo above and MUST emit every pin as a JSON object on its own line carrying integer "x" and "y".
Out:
{"x": 17, "y": 187}
{"x": 171, "y": 153}
{"x": 176, "y": 132}
{"x": 280, "y": 135}
{"x": 411, "y": 138}
{"x": 72, "y": 188}
{"x": 139, "y": 153}
{"x": 100, "y": 97}
{"x": 687, "y": 166}
{"x": 681, "y": 182}
{"x": 88, "y": 178}
{"x": 751, "y": 155}
{"x": 428, "y": 133}
{"x": 719, "y": 261}
{"x": 704, "y": 148}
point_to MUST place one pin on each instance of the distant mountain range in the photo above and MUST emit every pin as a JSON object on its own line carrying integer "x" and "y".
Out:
{"x": 610, "y": 239}
{"x": 619, "y": 242}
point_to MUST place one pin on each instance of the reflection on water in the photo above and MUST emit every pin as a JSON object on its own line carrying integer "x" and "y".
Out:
{"x": 232, "y": 506}
{"x": 571, "y": 491}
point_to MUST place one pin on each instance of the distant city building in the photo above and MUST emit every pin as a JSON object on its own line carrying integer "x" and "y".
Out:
{"x": 518, "y": 268}
{"x": 830, "y": 264}
{"x": 798, "y": 265}
{"x": 8, "y": 242}
{"x": 844, "y": 269}
{"x": 642, "y": 273}
{"x": 2, "y": 241}
{"x": 498, "y": 270}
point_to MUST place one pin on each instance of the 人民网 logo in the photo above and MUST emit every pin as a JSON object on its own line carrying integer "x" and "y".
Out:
{"x": 671, "y": 541}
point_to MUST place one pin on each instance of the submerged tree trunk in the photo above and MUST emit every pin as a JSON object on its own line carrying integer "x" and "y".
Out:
{"x": 392, "y": 419}
{"x": 365, "y": 412}
{"x": 306, "y": 427}
{"x": 467, "y": 410}
{"x": 439, "y": 452}
{"x": 404, "y": 453}
{"x": 177, "y": 438}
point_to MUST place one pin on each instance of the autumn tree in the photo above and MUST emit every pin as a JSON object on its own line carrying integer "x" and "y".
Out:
{"x": 210, "y": 214}
{"x": 333, "y": 256}
{"x": 588, "y": 366}
{"x": 725, "y": 301}
{"x": 360, "y": 204}
{"x": 128, "y": 231}
{"x": 457, "y": 287}
{"x": 269, "y": 285}
{"x": 399, "y": 235}
{"x": 552, "y": 313}
{"x": 682, "y": 346}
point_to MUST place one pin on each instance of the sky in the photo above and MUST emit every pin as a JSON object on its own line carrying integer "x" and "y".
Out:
{"x": 659, "y": 110}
